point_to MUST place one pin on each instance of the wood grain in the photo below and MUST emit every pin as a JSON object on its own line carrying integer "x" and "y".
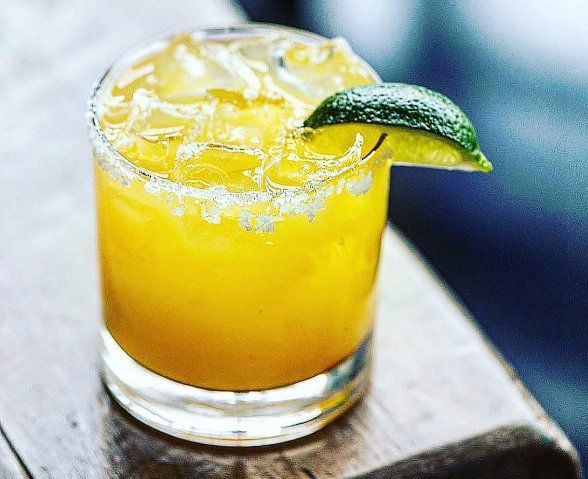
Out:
{"x": 10, "y": 468}
{"x": 442, "y": 404}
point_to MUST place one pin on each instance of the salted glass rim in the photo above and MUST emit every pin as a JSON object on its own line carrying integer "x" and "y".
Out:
{"x": 102, "y": 144}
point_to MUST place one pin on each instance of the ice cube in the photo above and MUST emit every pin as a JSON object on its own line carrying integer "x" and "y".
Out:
{"x": 312, "y": 72}
{"x": 206, "y": 165}
{"x": 189, "y": 68}
{"x": 152, "y": 129}
{"x": 256, "y": 52}
{"x": 160, "y": 134}
{"x": 252, "y": 123}
{"x": 154, "y": 119}
{"x": 305, "y": 163}
{"x": 155, "y": 156}
{"x": 133, "y": 74}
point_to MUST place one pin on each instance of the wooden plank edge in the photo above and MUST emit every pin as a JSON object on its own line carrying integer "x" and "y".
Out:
{"x": 519, "y": 451}
{"x": 543, "y": 425}
{"x": 11, "y": 465}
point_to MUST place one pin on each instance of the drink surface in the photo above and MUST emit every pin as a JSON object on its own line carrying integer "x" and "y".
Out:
{"x": 228, "y": 113}
{"x": 238, "y": 250}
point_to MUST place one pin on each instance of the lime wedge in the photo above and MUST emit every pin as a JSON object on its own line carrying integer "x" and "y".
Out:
{"x": 422, "y": 127}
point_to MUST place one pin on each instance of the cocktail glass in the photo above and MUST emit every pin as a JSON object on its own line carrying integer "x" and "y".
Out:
{"x": 235, "y": 317}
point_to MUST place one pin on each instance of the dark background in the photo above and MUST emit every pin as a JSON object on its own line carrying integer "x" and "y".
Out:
{"x": 512, "y": 244}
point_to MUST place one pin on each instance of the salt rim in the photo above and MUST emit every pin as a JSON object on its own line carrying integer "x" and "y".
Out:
{"x": 289, "y": 201}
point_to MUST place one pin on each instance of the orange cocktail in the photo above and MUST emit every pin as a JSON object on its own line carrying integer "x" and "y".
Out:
{"x": 238, "y": 251}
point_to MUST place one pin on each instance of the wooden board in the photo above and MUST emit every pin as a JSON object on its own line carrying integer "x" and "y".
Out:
{"x": 10, "y": 467}
{"x": 441, "y": 404}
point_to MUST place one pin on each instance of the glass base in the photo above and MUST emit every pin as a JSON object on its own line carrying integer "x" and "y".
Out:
{"x": 250, "y": 418}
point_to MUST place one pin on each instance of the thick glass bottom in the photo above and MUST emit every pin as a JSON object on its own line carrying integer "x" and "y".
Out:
{"x": 250, "y": 418}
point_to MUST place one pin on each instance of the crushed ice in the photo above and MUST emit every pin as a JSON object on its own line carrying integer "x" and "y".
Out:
{"x": 281, "y": 80}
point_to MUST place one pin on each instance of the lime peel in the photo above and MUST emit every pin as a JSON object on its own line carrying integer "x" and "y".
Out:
{"x": 398, "y": 107}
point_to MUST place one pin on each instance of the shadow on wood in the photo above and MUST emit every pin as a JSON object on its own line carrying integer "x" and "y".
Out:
{"x": 136, "y": 451}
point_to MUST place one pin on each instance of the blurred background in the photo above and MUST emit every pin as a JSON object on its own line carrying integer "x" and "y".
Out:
{"x": 512, "y": 244}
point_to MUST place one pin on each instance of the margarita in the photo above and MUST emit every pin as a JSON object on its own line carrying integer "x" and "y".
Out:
{"x": 242, "y": 183}
{"x": 244, "y": 254}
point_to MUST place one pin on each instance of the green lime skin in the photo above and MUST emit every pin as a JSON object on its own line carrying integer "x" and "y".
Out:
{"x": 402, "y": 105}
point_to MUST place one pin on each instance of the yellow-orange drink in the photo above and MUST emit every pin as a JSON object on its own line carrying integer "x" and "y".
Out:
{"x": 238, "y": 250}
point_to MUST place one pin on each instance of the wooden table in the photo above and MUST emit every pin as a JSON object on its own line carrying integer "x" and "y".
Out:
{"x": 442, "y": 404}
